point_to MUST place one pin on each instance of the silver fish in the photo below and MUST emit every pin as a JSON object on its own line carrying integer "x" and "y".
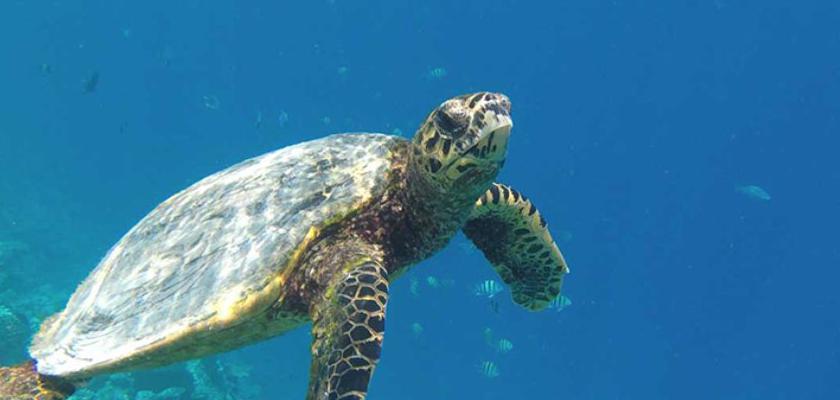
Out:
{"x": 437, "y": 73}
{"x": 414, "y": 287}
{"x": 91, "y": 82}
{"x": 211, "y": 102}
{"x": 488, "y": 288}
{"x": 504, "y": 346}
{"x": 560, "y": 303}
{"x": 754, "y": 192}
{"x": 283, "y": 119}
{"x": 488, "y": 336}
{"x": 489, "y": 369}
{"x": 417, "y": 329}
{"x": 259, "y": 121}
{"x": 433, "y": 282}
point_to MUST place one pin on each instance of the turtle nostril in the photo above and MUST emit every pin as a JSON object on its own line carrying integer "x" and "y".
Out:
{"x": 499, "y": 101}
{"x": 504, "y": 101}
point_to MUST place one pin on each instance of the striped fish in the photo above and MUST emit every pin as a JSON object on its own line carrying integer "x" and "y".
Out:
{"x": 436, "y": 73}
{"x": 504, "y": 346}
{"x": 489, "y": 369}
{"x": 488, "y": 288}
{"x": 560, "y": 303}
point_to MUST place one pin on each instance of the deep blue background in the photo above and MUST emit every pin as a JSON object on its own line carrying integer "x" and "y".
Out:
{"x": 635, "y": 121}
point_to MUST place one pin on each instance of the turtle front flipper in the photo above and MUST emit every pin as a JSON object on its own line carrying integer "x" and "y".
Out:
{"x": 23, "y": 382}
{"x": 347, "y": 331}
{"x": 513, "y": 236}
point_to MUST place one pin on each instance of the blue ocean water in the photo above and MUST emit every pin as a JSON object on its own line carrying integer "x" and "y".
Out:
{"x": 645, "y": 132}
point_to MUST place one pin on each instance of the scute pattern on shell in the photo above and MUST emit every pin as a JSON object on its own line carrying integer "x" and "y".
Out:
{"x": 217, "y": 241}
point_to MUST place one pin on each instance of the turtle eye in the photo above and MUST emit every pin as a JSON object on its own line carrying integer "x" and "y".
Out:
{"x": 451, "y": 125}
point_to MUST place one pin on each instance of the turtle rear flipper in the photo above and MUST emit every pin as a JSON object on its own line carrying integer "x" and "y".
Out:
{"x": 23, "y": 382}
{"x": 347, "y": 331}
{"x": 513, "y": 236}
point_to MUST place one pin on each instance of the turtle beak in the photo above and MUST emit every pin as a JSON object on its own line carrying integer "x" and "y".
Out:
{"x": 480, "y": 124}
{"x": 493, "y": 143}
{"x": 492, "y": 117}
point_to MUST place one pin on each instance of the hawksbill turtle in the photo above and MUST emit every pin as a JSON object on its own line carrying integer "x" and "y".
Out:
{"x": 314, "y": 232}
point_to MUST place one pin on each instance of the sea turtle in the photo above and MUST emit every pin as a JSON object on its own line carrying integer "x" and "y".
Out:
{"x": 312, "y": 232}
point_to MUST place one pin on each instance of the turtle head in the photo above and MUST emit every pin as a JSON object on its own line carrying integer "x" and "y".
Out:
{"x": 463, "y": 142}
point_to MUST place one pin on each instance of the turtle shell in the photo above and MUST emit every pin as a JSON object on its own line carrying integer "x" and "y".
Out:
{"x": 210, "y": 256}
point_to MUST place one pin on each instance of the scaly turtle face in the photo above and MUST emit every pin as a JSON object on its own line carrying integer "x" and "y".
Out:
{"x": 463, "y": 142}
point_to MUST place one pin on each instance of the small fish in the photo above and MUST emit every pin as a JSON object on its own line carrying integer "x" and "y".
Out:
{"x": 560, "y": 303}
{"x": 92, "y": 82}
{"x": 416, "y": 329}
{"x": 504, "y": 346}
{"x": 488, "y": 288}
{"x": 754, "y": 192}
{"x": 433, "y": 282}
{"x": 342, "y": 70}
{"x": 283, "y": 118}
{"x": 259, "y": 121}
{"x": 494, "y": 306}
{"x": 488, "y": 336}
{"x": 211, "y": 102}
{"x": 437, "y": 73}
{"x": 489, "y": 369}
{"x": 326, "y": 120}
{"x": 46, "y": 69}
{"x": 414, "y": 286}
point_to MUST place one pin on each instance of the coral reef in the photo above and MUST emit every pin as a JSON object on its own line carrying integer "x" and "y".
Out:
{"x": 166, "y": 394}
{"x": 14, "y": 332}
{"x": 207, "y": 379}
{"x": 229, "y": 381}
{"x": 10, "y": 249}
{"x": 122, "y": 387}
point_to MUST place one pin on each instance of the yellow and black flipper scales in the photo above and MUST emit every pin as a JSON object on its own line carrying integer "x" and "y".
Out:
{"x": 23, "y": 382}
{"x": 347, "y": 331}
{"x": 513, "y": 236}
